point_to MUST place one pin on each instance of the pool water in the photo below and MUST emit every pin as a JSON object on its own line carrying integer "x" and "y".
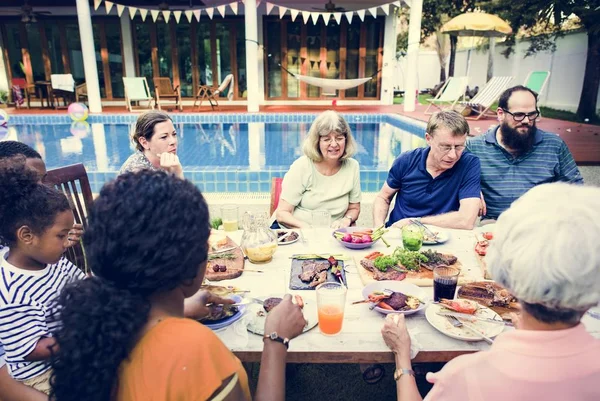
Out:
{"x": 216, "y": 156}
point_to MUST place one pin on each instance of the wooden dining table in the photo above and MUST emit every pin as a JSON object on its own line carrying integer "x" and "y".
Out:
{"x": 360, "y": 340}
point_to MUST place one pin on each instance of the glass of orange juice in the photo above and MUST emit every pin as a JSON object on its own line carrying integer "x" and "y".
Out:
{"x": 331, "y": 299}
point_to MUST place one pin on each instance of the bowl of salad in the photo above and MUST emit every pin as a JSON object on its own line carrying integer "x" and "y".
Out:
{"x": 359, "y": 237}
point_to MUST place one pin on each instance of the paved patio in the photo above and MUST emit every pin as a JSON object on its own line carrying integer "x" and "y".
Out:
{"x": 583, "y": 139}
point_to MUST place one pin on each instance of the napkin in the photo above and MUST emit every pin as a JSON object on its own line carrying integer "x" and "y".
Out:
{"x": 236, "y": 335}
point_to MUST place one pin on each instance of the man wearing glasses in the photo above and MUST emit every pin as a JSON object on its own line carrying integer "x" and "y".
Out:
{"x": 516, "y": 155}
{"x": 436, "y": 185}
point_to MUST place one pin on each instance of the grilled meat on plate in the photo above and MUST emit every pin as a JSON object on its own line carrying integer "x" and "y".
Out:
{"x": 320, "y": 278}
{"x": 310, "y": 269}
{"x": 270, "y": 303}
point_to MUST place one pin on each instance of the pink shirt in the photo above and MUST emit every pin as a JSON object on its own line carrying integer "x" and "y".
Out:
{"x": 525, "y": 365}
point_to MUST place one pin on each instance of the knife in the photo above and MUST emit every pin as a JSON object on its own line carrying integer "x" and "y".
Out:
{"x": 472, "y": 318}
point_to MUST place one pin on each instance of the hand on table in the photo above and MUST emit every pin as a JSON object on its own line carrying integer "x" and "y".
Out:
{"x": 286, "y": 319}
{"x": 341, "y": 223}
{"x": 74, "y": 235}
{"x": 170, "y": 162}
{"x": 195, "y": 307}
{"x": 401, "y": 223}
{"x": 395, "y": 334}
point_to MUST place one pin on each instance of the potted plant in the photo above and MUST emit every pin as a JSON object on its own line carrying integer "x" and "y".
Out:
{"x": 3, "y": 98}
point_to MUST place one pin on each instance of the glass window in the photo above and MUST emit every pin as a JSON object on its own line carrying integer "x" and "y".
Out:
{"x": 144, "y": 51}
{"x": 165, "y": 66}
{"x": 223, "y": 54}
{"x": 352, "y": 55}
{"x": 294, "y": 32}
{"x": 274, "y": 59}
{"x": 54, "y": 49}
{"x": 371, "y": 59}
{"x": 313, "y": 45}
{"x": 204, "y": 53}
{"x": 35, "y": 51}
{"x": 184, "y": 55}
{"x": 13, "y": 45}
{"x": 115, "y": 58}
{"x": 333, "y": 50}
{"x": 98, "y": 49}
{"x": 241, "y": 60}
{"x": 75, "y": 55}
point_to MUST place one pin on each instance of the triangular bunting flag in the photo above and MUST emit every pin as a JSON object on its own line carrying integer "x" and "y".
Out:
{"x": 197, "y": 14}
{"x": 386, "y": 9}
{"x": 328, "y": 64}
{"x": 349, "y": 16}
{"x": 143, "y": 13}
{"x": 154, "y": 14}
{"x": 338, "y": 17}
{"x": 361, "y": 14}
{"x": 397, "y": 4}
{"x": 373, "y": 11}
{"x": 221, "y": 10}
{"x": 189, "y": 14}
{"x": 337, "y": 65}
{"x": 234, "y": 7}
{"x": 177, "y": 15}
{"x": 132, "y": 11}
{"x": 312, "y": 64}
{"x": 210, "y": 11}
{"x": 305, "y": 16}
{"x": 120, "y": 9}
{"x": 294, "y": 14}
{"x": 315, "y": 17}
{"x": 269, "y": 7}
{"x": 282, "y": 11}
{"x": 97, "y": 4}
{"x": 166, "y": 14}
{"x": 294, "y": 59}
{"x": 109, "y": 6}
{"x": 257, "y": 2}
{"x": 326, "y": 17}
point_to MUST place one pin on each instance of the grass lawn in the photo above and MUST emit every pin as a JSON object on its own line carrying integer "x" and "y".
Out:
{"x": 546, "y": 111}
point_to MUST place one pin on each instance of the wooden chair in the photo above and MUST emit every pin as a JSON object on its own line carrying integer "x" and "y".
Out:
{"x": 163, "y": 89}
{"x": 208, "y": 93}
{"x": 81, "y": 92}
{"x": 73, "y": 182}
{"x": 275, "y": 194}
{"x": 28, "y": 90}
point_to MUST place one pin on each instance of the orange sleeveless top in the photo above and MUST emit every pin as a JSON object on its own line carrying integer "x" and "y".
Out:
{"x": 178, "y": 360}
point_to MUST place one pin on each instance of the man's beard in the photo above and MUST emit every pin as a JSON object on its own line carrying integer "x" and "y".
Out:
{"x": 520, "y": 143}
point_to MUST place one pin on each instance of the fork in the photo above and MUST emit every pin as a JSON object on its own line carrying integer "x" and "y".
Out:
{"x": 457, "y": 323}
{"x": 427, "y": 230}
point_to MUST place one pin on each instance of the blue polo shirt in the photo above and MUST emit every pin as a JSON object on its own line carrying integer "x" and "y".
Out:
{"x": 505, "y": 178}
{"x": 421, "y": 195}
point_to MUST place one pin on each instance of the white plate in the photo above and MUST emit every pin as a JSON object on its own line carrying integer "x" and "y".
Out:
{"x": 286, "y": 231}
{"x": 256, "y": 323}
{"x": 397, "y": 286}
{"x": 442, "y": 235}
{"x": 442, "y": 323}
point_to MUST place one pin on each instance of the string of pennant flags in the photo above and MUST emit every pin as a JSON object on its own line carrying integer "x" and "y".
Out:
{"x": 222, "y": 9}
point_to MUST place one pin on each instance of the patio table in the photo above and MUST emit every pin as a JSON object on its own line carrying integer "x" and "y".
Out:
{"x": 360, "y": 340}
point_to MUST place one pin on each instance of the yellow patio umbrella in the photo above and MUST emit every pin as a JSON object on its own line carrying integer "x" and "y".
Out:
{"x": 478, "y": 24}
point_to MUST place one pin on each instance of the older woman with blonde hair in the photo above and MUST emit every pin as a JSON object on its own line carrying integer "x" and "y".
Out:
{"x": 545, "y": 251}
{"x": 325, "y": 178}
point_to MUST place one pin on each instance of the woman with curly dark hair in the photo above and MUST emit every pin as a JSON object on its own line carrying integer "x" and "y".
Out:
{"x": 124, "y": 336}
{"x": 155, "y": 140}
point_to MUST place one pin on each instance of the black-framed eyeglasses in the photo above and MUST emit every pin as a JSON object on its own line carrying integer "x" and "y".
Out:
{"x": 519, "y": 116}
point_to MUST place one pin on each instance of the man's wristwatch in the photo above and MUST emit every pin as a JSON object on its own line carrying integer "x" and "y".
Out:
{"x": 399, "y": 372}
{"x": 275, "y": 337}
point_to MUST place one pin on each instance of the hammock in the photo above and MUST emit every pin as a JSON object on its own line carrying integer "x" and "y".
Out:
{"x": 329, "y": 85}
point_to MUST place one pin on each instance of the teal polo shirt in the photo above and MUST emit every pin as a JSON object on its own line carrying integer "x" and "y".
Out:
{"x": 505, "y": 178}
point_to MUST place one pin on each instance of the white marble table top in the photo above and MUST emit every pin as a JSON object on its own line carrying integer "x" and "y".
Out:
{"x": 360, "y": 340}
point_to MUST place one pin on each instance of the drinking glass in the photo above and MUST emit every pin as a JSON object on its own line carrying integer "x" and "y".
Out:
{"x": 331, "y": 299}
{"x": 412, "y": 237}
{"x": 445, "y": 280}
{"x": 229, "y": 215}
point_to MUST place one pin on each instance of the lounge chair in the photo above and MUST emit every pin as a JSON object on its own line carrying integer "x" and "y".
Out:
{"x": 137, "y": 90}
{"x": 449, "y": 94}
{"x": 63, "y": 86}
{"x": 482, "y": 102}
{"x": 164, "y": 90}
{"x": 537, "y": 80}
{"x": 208, "y": 93}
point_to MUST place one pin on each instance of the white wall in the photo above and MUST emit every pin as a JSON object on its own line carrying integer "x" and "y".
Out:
{"x": 567, "y": 66}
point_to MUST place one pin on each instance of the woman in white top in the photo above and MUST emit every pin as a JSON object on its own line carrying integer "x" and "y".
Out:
{"x": 325, "y": 178}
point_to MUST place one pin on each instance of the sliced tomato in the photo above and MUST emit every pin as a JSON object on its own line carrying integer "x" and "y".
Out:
{"x": 488, "y": 235}
{"x": 481, "y": 247}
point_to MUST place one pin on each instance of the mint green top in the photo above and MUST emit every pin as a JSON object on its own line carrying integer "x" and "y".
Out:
{"x": 307, "y": 189}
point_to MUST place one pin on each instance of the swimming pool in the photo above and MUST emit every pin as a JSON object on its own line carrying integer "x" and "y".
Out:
{"x": 219, "y": 152}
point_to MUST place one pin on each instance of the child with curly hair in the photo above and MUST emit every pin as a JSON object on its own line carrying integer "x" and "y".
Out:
{"x": 35, "y": 221}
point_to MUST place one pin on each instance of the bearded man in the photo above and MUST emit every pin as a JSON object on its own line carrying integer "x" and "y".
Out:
{"x": 516, "y": 156}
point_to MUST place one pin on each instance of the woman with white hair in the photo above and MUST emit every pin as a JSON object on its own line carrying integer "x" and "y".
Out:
{"x": 545, "y": 251}
{"x": 325, "y": 178}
